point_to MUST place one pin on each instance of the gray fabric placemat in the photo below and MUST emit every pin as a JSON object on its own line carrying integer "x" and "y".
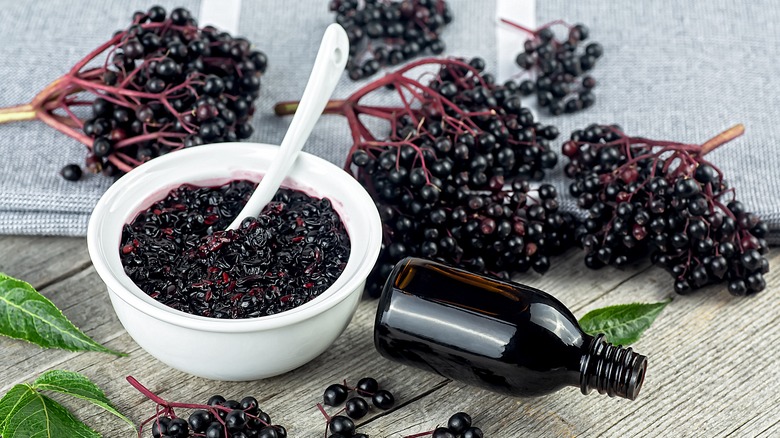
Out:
{"x": 672, "y": 70}
{"x": 41, "y": 40}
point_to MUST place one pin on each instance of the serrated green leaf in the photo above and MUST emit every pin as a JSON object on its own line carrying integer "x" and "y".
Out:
{"x": 77, "y": 385}
{"x": 10, "y": 401}
{"x": 33, "y": 415}
{"x": 622, "y": 324}
{"x": 29, "y": 316}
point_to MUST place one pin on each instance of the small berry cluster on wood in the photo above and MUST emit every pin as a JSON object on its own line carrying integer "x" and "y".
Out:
{"x": 218, "y": 418}
{"x": 355, "y": 407}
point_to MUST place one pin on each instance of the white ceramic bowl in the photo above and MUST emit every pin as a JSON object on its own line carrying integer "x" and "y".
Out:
{"x": 241, "y": 349}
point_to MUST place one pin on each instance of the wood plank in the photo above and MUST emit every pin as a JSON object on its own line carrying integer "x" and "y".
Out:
{"x": 711, "y": 367}
{"x": 41, "y": 261}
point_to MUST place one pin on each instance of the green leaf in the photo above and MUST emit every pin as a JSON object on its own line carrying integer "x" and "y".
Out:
{"x": 31, "y": 414}
{"x": 624, "y": 323}
{"x": 29, "y": 316}
{"x": 10, "y": 401}
{"x": 77, "y": 385}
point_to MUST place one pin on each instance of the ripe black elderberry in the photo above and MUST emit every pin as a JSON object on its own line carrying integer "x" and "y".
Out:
{"x": 458, "y": 426}
{"x": 560, "y": 67}
{"x": 71, "y": 172}
{"x": 390, "y": 32}
{"x": 177, "y": 252}
{"x": 663, "y": 199}
{"x": 450, "y": 178}
{"x": 335, "y": 394}
{"x": 165, "y": 84}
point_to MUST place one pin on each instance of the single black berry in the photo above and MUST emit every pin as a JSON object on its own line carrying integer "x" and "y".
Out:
{"x": 335, "y": 394}
{"x": 383, "y": 399}
{"x": 356, "y": 408}
{"x": 367, "y": 386}
{"x": 459, "y": 422}
{"x": 71, "y": 172}
{"x": 343, "y": 425}
{"x": 199, "y": 420}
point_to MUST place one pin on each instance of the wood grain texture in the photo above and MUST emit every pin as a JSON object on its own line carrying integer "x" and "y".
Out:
{"x": 712, "y": 362}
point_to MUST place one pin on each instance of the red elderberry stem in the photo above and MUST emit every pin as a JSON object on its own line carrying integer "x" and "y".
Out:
{"x": 145, "y": 391}
{"x": 322, "y": 410}
{"x": 518, "y": 26}
{"x": 58, "y": 124}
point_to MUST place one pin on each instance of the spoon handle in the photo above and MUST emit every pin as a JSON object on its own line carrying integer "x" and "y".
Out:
{"x": 328, "y": 67}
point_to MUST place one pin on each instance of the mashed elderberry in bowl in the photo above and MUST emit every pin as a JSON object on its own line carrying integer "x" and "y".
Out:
{"x": 240, "y": 304}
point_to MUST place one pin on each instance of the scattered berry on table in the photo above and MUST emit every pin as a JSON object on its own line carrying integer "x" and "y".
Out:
{"x": 664, "y": 200}
{"x": 385, "y": 33}
{"x": 177, "y": 252}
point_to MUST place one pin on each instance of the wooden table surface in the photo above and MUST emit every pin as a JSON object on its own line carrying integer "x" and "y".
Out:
{"x": 713, "y": 361}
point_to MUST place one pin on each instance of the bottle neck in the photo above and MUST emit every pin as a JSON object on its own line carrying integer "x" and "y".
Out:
{"x": 612, "y": 370}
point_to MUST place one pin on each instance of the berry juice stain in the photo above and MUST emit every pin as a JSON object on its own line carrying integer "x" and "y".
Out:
{"x": 178, "y": 252}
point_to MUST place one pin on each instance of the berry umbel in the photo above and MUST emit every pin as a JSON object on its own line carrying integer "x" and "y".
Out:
{"x": 450, "y": 176}
{"x": 158, "y": 86}
{"x": 664, "y": 199}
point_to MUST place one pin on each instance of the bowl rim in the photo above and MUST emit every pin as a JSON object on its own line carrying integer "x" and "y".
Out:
{"x": 155, "y": 309}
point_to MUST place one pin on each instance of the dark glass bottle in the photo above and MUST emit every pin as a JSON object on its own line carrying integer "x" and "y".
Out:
{"x": 502, "y": 336}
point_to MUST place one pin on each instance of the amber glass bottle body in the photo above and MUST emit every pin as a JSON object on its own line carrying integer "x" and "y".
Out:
{"x": 499, "y": 335}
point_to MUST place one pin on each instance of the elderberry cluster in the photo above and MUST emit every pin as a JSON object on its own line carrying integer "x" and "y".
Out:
{"x": 458, "y": 426}
{"x": 663, "y": 199}
{"x": 390, "y": 32}
{"x": 561, "y": 83}
{"x": 222, "y": 419}
{"x": 188, "y": 86}
{"x": 179, "y": 254}
{"x": 355, "y": 407}
{"x": 452, "y": 185}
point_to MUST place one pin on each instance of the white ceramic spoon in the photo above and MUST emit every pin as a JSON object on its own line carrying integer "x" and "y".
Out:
{"x": 328, "y": 66}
